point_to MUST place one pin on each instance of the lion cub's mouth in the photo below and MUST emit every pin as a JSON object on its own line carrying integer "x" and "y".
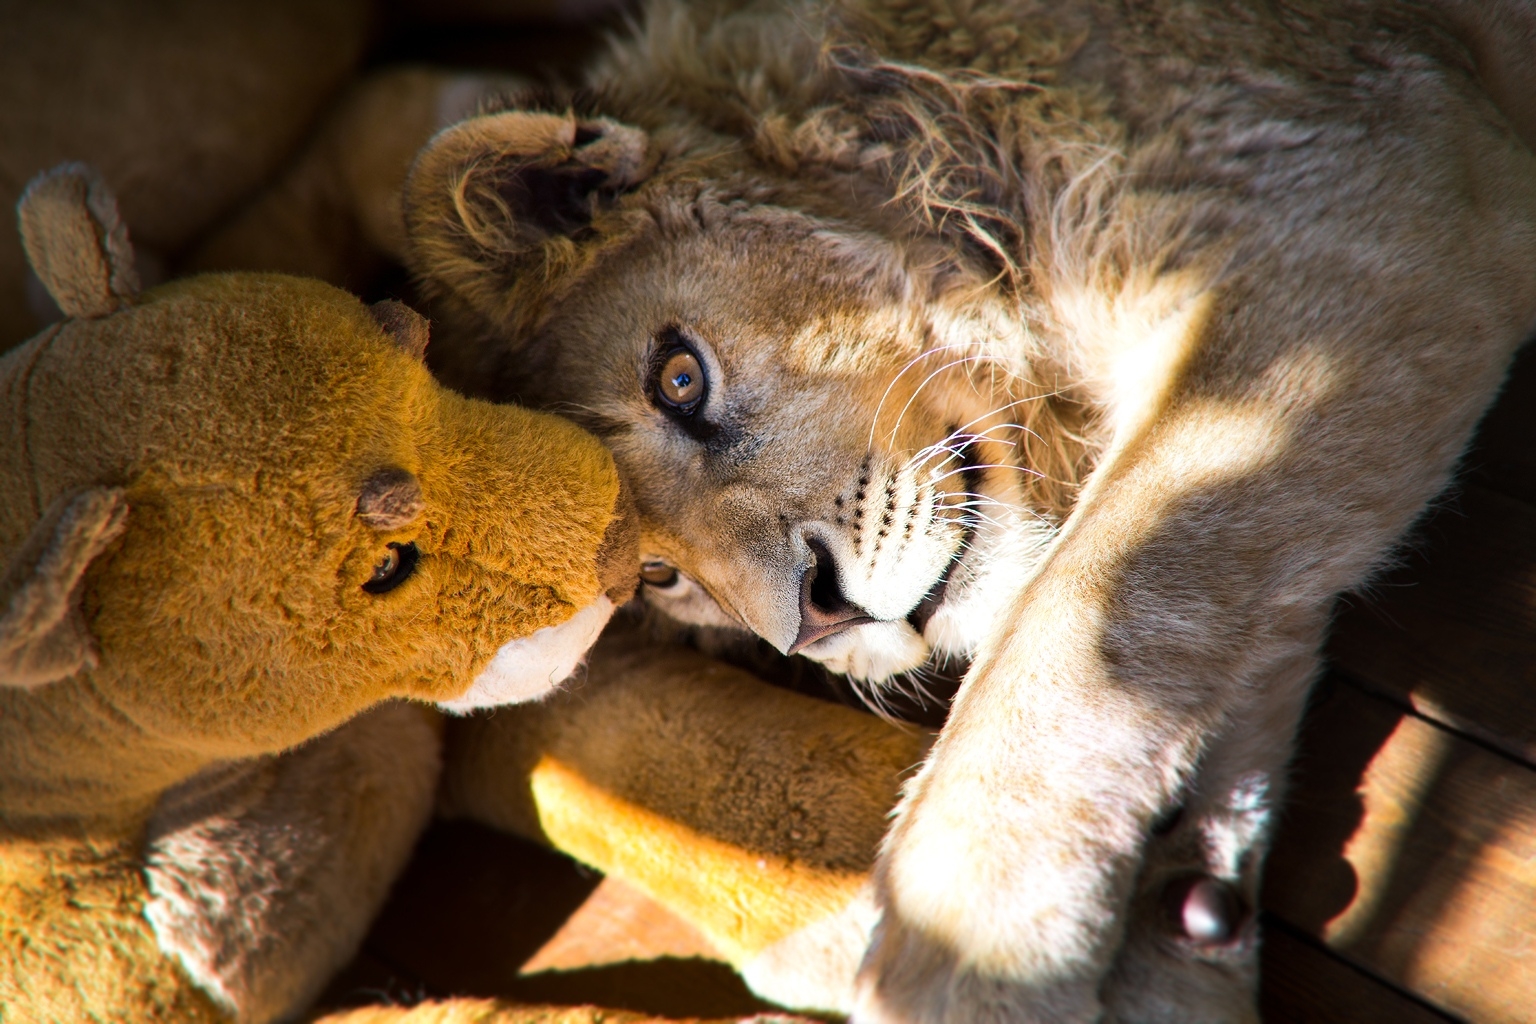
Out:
{"x": 933, "y": 600}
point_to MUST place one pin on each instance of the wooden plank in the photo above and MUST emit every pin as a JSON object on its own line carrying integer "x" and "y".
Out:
{"x": 618, "y": 923}
{"x": 1412, "y": 852}
{"x": 1504, "y": 455}
{"x": 1454, "y": 632}
{"x": 1301, "y": 983}
{"x": 482, "y": 913}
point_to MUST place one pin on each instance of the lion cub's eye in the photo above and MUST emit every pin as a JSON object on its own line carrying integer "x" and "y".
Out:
{"x": 658, "y": 574}
{"x": 679, "y": 385}
{"x": 394, "y": 568}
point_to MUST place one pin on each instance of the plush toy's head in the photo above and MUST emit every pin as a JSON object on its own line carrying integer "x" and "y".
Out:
{"x": 241, "y": 510}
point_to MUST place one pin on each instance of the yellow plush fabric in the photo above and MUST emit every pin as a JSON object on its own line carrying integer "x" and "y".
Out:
{"x": 193, "y": 491}
{"x": 750, "y": 811}
{"x": 74, "y": 940}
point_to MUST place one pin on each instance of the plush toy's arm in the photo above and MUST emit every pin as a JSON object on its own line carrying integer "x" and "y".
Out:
{"x": 750, "y": 811}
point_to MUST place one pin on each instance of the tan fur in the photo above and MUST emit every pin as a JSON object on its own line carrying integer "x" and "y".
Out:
{"x": 496, "y": 1011}
{"x": 186, "y": 108}
{"x": 1252, "y": 271}
{"x": 239, "y": 136}
{"x": 334, "y": 211}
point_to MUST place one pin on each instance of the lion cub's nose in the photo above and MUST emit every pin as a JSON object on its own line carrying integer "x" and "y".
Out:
{"x": 823, "y": 608}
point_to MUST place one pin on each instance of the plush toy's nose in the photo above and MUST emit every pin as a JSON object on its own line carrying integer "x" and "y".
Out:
{"x": 618, "y": 560}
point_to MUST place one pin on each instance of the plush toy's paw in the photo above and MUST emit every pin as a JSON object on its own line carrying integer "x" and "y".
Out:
{"x": 262, "y": 883}
{"x": 43, "y": 637}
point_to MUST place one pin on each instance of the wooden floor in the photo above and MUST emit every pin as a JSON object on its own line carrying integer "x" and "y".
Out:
{"x": 1406, "y": 865}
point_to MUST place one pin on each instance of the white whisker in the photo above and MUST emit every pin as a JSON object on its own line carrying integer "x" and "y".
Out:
{"x": 875, "y": 422}
{"x": 958, "y": 451}
{"x": 902, "y": 415}
{"x": 987, "y": 465}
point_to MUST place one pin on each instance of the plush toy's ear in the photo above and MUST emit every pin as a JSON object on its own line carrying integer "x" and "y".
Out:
{"x": 408, "y": 329}
{"x": 501, "y": 195}
{"x": 43, "y": 636}
{"x": 76, "y": 242}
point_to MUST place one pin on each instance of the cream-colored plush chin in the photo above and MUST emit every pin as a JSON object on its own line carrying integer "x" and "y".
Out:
{"x": 529, "y": 668}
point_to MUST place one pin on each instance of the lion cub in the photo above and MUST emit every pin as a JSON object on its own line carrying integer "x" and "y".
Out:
{"x": 1102, "y": 344}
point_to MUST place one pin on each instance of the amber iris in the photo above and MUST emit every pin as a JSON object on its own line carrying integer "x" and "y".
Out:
{"x": 680, "y": 384}
{"x": 658, "y": 574}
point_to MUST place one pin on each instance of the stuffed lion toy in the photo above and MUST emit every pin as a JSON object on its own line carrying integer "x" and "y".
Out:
{"x": 239, "y": 519}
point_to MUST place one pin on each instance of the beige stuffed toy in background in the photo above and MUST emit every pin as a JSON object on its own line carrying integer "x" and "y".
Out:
{"x": 239, "y": 135}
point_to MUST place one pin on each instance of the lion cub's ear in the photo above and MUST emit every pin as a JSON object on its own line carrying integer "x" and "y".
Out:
{"x": 504, "y": 195}
{"x": 43, "y": 636}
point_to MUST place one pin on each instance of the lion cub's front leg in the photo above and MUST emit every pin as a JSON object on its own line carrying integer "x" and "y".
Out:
{"x": 1191, "y": 944}
{"x": 1062, "y": 890}
{"x": 1283, "y": 451}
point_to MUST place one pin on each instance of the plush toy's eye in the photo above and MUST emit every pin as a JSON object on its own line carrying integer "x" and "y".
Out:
{"x": 394, "y": 568}
{"x": 679, "y": 385}
{"x": 658, "y": 574}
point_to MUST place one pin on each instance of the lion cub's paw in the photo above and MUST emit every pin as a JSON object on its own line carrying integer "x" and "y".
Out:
{"x": 909, "y": 977}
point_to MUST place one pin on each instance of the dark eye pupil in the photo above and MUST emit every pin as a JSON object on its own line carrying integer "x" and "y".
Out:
{"x": 681, "y": 381}
{"x": 393, "y": 569}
